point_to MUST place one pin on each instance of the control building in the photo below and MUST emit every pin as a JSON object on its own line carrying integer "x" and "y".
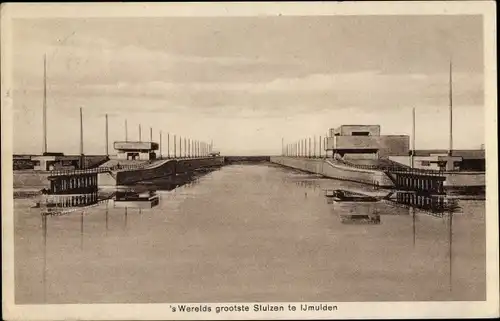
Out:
{"x": 365, "y": 142}
{"x": 55, "y": 161}
{"x": 127, "y": 150}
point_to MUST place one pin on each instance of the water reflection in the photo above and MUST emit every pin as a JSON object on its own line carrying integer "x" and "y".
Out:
{"x": 44, "y": 272}
{"x": 414, "y": 227}
{"x": 107, "y": 218}
{"x": 366, "y": 209}
{"x": 114, "y": 247}
{"x": 450, "y": 245}
{"x": 357, "y": 212}
{"x": 433, "y": 204}
{"x": 81, "y": 230}
{"x": 141, "y": 195}
{"x": 360, "y": 219}
{"x": 136, "y": 199}
{"x": 126, "y": 217}
{"x": 308, "y": 184}
{"x": 187, "y": 179}
{"x": 356, "y": 208}
{"x": 62, "y": 204}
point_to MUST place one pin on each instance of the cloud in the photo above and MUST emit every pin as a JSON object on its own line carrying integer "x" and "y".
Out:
{"x": 246, "y": 82}
{"x": 87, "y": 61}
{"x": 367, "y": 90}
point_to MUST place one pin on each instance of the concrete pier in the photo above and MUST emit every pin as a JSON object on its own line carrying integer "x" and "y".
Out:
{"x": 71, "y": 189}
{"x": 157, "y": 169}
{"x": 418, "y": 181}
{"x": 330, "y": 169}
{"x": 73, "y": 183}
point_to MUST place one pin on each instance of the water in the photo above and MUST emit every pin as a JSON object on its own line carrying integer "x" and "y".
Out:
{"x": 248, "y": 233}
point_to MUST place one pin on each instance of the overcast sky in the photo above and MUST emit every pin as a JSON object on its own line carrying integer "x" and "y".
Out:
{"x": 246, "y": 82}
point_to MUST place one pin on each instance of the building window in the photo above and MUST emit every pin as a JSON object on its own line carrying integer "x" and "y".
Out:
{"x": 360, "y": 133}
{"x": 425, "y": 163}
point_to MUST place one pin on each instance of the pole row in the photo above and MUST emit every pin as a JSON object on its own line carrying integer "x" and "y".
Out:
{"x": 314, "y": 147}
{"x": 183, "y": 147}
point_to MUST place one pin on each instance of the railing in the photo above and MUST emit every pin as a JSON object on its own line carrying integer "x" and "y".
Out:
{"x": 96, "y": 170}
{"x": 414, "y": 171}
{"x": 117, "y": 167}
{"x": 79, "y": 171}
{"x": 127, "y": 167}
{"x": 358, "y": 166}
{"x": 394, "y": 169}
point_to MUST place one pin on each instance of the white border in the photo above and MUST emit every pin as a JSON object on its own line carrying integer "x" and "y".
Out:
{"x": 489, "y": 308}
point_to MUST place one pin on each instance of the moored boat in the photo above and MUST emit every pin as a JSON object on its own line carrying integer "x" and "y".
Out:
{"x": 340, "y": 195}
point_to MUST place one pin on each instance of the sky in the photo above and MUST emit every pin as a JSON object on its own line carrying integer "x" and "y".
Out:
{"x": 246, "y": 82}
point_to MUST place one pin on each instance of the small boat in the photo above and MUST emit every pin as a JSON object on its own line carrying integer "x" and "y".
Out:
{"x": 355, "y": 208}
{"x": 340, "y": 195}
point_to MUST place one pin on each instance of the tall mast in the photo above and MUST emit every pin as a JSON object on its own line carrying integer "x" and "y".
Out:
{"x": 413, "y": 140}
{"x": 451, "y": 111}
{"x": 314, "y": 147}
{"x": 82, "y": 158}
{"x": 319, "y": 142}
{"x": 175, "y": 147}
{"x": 160, "y": 145}
{"x": 126, "y": 131}
{"x": 81, "y": 131}
{"x": 107, "y": 140}
{"x": 44, "y": 103}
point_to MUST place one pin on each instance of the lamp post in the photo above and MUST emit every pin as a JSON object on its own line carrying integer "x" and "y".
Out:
{"x": 175, "y": 146}
{"x": 412, "y": 160}
{"x": 106, "y": 136}
{"x": 180, "y": 146}
{"x": 82, "y": 160}
{"x": 161, "y": 156}
{"x": 126, "y": 131}
{"x": 168, "y": 145}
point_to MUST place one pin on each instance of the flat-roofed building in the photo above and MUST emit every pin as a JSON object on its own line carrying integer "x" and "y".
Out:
{"x": 50, "y": 162}
{"x": 136, "y": 150}
{"x": 365, "y": 142}
{"x": 59, "y": 161}
{"x": 439, "y": 159}
{"x": 356, "y": 130}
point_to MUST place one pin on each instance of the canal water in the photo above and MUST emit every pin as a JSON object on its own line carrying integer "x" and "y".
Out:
{"x": 248, "y": 233}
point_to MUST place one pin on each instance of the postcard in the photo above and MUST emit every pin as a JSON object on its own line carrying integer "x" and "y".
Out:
{"x": 324, "y": 160}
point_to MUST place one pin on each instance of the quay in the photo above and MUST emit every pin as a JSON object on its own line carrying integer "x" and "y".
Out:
{"x": 361, "y": 154}
{"x": 440, "y": 181}
{"x": 116, "y": 175}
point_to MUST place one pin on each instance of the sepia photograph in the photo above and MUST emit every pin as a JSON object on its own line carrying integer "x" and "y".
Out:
{"x": 236, "y": 160}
